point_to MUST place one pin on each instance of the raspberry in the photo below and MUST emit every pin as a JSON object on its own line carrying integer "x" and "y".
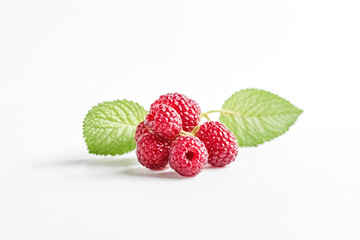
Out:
{"x": 220, "y": 143}
{"x": 188, "y": 155}
{"x": 188, "y": 109}
{"x": 152, "y": 151}
{"x": 164, "y": 121}
{"x": 140, "y": 130}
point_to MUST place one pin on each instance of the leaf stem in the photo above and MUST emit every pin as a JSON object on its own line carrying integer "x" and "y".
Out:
{"x": 194, "y": 131}
{"x": 205, "y": 114}
{"x": 183, "y": 133}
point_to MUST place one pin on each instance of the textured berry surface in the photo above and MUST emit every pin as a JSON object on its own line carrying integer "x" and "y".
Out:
{"x": 220, "y": 143}
{"x": 164, "y": 121}
{"x": 188, "y": 109}
{"x": 152, "y": 152}
{"x": 188, "y": 155}
{"x": 140, "y": 130}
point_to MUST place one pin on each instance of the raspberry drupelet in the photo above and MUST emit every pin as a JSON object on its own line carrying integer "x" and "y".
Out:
{"x": 220, "y": 143}
{"x": 188, "y": 109}
{"x": 140, "y": 130}
{"x": 152, "y": 151}
{"x": 188, "y": 155}
{"x": 164, "y": 121}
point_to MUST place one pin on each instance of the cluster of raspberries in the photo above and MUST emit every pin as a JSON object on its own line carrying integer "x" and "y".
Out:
{"x": 171, "y": 134}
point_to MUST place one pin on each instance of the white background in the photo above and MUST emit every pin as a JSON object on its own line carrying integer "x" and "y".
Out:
{"x": 59, "y": 58}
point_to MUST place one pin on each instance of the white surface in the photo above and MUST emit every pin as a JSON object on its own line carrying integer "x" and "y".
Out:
{"x": 58, "y": 58}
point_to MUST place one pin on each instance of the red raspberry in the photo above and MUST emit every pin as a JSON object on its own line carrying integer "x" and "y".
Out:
{"x": 140, "y": 130}
{"x": 152, "y": 151}
{"x": 188, "y": 155}
{"x": 164, "y": 121}
{"x": 196, "y": 106}
{"x": 188, "y": 109}
{"x": 220, "y": 143}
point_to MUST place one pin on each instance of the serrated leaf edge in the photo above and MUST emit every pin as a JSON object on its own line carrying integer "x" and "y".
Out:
{"x": 104, "y": 103}
{"x": 300, "y": 111}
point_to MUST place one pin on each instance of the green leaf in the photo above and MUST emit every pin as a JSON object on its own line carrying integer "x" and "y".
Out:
{"x": 256, "y": 116}
{"x": 109, "y": 128}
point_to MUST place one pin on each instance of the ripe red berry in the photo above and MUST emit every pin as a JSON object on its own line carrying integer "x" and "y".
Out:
{"x": 220, "y": 143}
{"x": 140, "y": 130}
{"x": 164, "y": 121}
{"x": 188, "y": 155}
{"x": 188, "y": 109}
{"x": 152, "y": 151}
